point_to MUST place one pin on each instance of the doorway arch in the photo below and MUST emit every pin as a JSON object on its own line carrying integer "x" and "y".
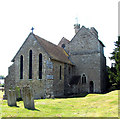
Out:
{"x": 91, "y": 86}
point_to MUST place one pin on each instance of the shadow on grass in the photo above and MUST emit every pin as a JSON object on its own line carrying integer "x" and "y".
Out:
{"x": 81, "y": 95}
{"x": 73, "y": 96}
{"x": 26, "y": 108}
{"x": 13, "y": 106}
{"x": 33, "y": 109}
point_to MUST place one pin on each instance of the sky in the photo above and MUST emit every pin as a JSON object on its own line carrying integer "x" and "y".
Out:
{"x": 52, "y": 20}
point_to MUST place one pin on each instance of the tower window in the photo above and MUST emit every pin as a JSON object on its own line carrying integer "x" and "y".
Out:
{"x": 21, "y": 67}
{"x": 63, "y": 45}
{"x": 40, "y": 66}
{"x": 83, "y": 79}
{"x": 30, "y": 64}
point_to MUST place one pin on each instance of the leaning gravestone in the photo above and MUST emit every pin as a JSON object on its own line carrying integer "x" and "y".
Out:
{"x": 11, "y": 98}
{"x": 28, "y": 98}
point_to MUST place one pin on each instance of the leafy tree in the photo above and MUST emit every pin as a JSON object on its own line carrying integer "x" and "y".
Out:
{"x": 111, "y": 75}
{"x": 115, "y": 73}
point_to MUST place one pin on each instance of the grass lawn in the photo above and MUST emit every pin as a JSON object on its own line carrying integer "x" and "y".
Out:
{"x": 92, "y": 105}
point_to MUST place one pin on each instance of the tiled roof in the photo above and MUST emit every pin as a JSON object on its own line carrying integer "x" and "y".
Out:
{"x": 55, "y": 52}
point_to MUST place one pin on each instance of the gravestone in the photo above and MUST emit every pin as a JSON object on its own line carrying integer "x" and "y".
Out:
{"x": 28, "y": 98}
{"x": 18, "y": 93}
{"x": 11, "y": 98}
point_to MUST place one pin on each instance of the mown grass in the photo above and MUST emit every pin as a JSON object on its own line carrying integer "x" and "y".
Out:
{"x": 92, "y": 105}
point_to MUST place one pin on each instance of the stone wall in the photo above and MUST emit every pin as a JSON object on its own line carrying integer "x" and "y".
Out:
{"x": 31, "y": 44}
{"x": 90, "y": 66}
{"x": 83, "y": 42}
{"x": 103, "y": 74}
{"x": 58, "y": 84}
{"x": 85, "y": 51}
{"x": 10, "y": 79}
{"x": 69, "y": 71}
{"x": 38, "y": 85}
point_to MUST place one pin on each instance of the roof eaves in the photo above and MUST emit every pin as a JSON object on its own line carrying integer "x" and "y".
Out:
{"x": 62, "y": 61}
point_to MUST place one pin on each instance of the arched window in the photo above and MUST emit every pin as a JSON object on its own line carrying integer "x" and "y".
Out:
{"x": 83, "y": 79}
{"x": 30, "y": 64}
{"x": 21, "y": 67}
{"x": 40, "y": 66}
{"x": 60, "y": 72}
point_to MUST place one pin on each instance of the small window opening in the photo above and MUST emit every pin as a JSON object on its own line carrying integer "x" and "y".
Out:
{"x": 30, "y": 64}
{"x": 21, "y": 67}
{"x": 60, "y": 73}
{"x": 40, "y": 66}
{"x": 83, "y": 79}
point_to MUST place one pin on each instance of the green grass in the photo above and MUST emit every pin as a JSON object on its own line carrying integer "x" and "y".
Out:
{"x": 92, "y": 105}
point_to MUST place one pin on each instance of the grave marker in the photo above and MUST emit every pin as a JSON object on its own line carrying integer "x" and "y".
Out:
{"x": 11, "y": 98}
{"x": 28, "y": 98}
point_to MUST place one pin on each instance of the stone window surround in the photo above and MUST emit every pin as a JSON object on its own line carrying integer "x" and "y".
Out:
{"x": 83, "y": 76}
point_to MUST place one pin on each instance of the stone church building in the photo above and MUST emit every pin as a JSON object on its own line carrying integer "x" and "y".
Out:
{"x": 71, "y": 67}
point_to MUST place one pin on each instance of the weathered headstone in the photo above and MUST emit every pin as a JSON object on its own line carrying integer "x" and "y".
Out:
{"x": 28, "y": 98}
{"x": 18, "y": 93}
{"x": 11, "y": 98}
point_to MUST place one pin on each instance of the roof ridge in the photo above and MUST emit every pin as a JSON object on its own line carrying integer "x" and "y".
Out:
{"x": 46, "y": 40}
{"x": 55, "y": 52}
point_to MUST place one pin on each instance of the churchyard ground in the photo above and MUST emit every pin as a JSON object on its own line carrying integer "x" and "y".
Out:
{"x": 92, "y": 105}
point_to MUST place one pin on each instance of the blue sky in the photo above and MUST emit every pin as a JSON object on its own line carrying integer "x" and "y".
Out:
{"x": 52, "y": 20}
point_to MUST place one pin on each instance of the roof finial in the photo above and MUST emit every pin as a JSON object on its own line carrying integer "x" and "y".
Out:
{"x": 76, "y": 20}
{"x": 32, "y": 29}
{"x": 76, "y": 25}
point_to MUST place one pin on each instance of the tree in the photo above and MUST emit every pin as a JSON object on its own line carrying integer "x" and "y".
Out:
{"x": 116, "y": 58}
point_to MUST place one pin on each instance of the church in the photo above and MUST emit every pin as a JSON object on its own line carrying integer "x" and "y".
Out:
{"x": 71, "y": 67}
